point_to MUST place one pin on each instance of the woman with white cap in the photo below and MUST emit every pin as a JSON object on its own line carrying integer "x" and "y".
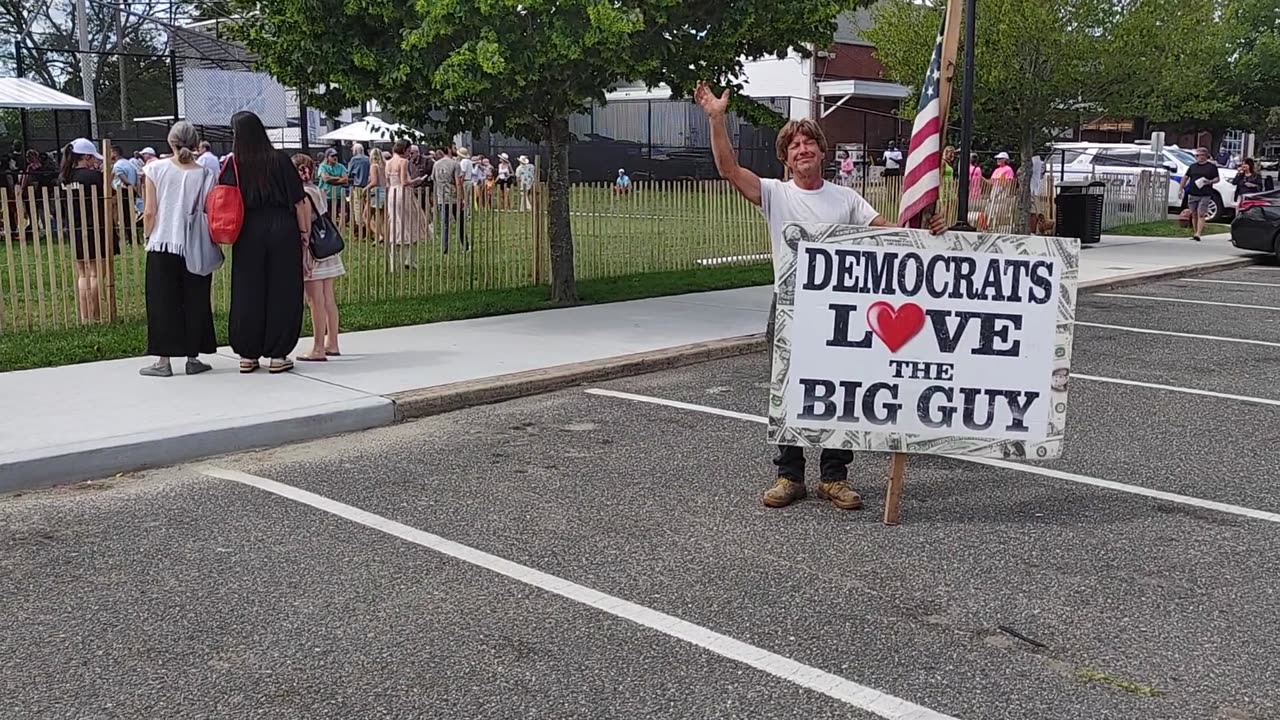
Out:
{"x": 1003, "y": 171}
{"x": 525, "y": 174}
{"x": 506, "y": 178}
{"x": 81, "y": 177}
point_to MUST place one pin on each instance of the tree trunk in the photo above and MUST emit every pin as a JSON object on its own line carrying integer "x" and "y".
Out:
{"x": 564, "y": 287}
{"x": 1026, "y": 204}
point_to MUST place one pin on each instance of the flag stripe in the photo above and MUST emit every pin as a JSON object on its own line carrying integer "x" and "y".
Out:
{"x": 923, "y": 178}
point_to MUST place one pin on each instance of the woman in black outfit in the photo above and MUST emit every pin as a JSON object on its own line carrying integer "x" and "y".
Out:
{"x": 81, "y": 178}
{"x": 266, "y": 262}
{"x": 1247, "y": 179}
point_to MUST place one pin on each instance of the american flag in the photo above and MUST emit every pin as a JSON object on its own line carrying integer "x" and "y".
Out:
{"x": 922, "y": 178}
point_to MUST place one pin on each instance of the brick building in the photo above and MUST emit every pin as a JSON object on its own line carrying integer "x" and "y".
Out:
{"x": 857, "y": 108}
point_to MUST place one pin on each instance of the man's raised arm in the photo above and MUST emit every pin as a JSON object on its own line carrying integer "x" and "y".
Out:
{"x": 747, "y": 182}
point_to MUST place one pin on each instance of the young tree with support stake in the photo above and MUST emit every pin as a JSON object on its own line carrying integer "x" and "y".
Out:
{"x": 520, "y": 66}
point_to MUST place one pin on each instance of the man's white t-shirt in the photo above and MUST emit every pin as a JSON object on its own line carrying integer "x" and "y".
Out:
{"x": 784, "y": 202}
{"x": 210, "y": 162}
{"x": 893, "y": 159}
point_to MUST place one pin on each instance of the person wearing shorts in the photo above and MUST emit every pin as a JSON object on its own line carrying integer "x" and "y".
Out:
{"x": 1197, "y": 185}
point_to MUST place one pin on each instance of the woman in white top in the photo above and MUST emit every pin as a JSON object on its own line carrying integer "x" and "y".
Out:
{"x": 319, "y": 275}
{"x": 375, "y": 209}
{"x": 506, "y": 178}
{"x": 179, "y": 314}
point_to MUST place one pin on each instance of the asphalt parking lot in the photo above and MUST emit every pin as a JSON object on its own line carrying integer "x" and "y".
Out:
{"x": 602, "y": 552}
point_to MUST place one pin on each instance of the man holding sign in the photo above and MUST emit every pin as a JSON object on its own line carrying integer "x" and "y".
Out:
{"x": 805, "y": 198}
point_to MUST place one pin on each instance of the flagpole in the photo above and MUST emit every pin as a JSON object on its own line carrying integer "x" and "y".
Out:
{"x": 950, "y": 48}
{"x": 966, "y": 122}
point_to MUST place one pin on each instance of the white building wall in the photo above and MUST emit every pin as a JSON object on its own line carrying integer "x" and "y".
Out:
{"x": 791, "y": 78}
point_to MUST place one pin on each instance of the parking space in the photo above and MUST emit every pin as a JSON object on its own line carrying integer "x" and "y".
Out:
{"x": 582, "y": 554}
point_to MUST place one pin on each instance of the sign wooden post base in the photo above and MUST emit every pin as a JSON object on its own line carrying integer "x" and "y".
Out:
{"x": 893, "y": 496}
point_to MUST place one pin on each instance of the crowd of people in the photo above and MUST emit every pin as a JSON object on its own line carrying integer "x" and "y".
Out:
{"x": 274, "y": 272}
{"x": 400, "y": 197}
{"x": 404, "y": 195}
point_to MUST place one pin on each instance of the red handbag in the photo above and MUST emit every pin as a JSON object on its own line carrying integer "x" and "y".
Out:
{"x": 225, "y": 208}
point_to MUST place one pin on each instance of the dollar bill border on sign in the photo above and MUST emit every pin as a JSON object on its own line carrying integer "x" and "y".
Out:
{"x": 1066, "y": 251}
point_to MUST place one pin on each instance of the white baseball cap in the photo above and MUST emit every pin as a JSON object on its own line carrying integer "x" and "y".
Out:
{"x": 84, "y": 146}
{"x": 1002, "y": 156}
{"x": 148, "y": 151}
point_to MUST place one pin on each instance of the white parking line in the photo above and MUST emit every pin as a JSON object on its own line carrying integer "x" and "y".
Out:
{"x": 1174, "y": 388}
{"x": 1232, "y": 282}
{"x": 846, "y": 691}
{"x": 1148, "y": 331}
{"x": 1185, "y": 300}
{"x": 1032, "y": 469}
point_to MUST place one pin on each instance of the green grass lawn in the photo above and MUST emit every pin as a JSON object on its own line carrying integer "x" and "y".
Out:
{"x": 19, "y": 351}
{"x": 662, "y": 228}
{"x": 1165, "y": 228}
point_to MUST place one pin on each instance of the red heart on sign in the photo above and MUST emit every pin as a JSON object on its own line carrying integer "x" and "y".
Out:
{"x": 895, "y": 326}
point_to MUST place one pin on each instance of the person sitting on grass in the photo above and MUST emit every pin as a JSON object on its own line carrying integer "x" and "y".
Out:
{"x": 806, "y": 197}
{"x": 622, "y": 185}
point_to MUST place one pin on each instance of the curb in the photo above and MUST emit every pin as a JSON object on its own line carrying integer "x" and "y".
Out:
{"x": 412, "y": 404}
{"x": 1171, "y": 273}
{"x": 456, "y": 396}
{"x": 76, "y": 463}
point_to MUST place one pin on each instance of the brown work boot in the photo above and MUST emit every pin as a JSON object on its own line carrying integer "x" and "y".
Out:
{"x": 841, "y": 494}
{"x": 783, "y": 493}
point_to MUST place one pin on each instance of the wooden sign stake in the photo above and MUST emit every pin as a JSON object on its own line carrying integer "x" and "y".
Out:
{"x": 893, "y": 496}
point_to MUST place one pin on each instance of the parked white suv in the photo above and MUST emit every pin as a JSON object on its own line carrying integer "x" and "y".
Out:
{"x": 1122, "y": 162}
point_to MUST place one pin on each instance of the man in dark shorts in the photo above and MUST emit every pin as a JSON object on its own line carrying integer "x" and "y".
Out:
{"x": 1197, "y": 185}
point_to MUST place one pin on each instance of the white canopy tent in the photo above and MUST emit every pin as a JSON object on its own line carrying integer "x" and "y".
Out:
{"x": 23, "y": 94}
{"x": 370, "y": 129}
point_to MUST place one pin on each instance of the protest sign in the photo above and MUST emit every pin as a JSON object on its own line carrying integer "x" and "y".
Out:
{"x": 899, "y": 341}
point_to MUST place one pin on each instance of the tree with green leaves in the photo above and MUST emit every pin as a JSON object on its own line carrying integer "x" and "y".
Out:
{"x": 1170, "y": 64}
{"x": 1037, "y": 65}
{"x": 521, "y": 67}
{"x": 1253, "y": 46}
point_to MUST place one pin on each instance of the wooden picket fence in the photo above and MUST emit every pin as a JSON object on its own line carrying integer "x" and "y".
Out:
{"x": 655, "y": 226}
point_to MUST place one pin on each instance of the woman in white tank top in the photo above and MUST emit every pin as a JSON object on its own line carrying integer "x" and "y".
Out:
{"x": 179, "y": 314}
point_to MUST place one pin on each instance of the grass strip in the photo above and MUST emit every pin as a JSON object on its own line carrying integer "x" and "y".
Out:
{"x": 22, "y": 351}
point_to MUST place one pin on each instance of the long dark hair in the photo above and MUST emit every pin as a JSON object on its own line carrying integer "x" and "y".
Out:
{"x": 253, "y": 151}
{"x": 1249, "y": 163}
{"x": 70, "y": 161}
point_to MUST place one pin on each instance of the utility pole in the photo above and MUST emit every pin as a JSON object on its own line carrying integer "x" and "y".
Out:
{"x": 120, "y": 60}
{"x": 87, "y": 70}
{"x": 966, "y": 120}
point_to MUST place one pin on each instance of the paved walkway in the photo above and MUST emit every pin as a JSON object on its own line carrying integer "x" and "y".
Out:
{"x": 93, "y": 420}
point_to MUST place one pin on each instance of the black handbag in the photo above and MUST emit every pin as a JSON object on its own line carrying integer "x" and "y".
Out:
{"x": 326, "y": 241}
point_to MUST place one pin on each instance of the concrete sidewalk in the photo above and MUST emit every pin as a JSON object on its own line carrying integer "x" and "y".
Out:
{"x": 93, "y": 420}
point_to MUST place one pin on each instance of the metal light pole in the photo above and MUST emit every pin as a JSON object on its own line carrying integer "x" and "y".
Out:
{"x": 966, "y": 121}
{"x": 88, "y": 70}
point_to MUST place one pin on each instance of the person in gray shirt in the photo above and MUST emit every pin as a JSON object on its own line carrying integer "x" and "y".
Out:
{"x": 447, "y": 178}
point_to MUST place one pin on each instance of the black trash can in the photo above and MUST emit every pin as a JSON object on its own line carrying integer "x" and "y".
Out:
{"x": 1079, "y": 205}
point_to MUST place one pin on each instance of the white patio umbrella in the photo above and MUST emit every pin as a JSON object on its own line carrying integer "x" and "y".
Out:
{"x": 27, "y": 95}
{"x": 370, "y": 129}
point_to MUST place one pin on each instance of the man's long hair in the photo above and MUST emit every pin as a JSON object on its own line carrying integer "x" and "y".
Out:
{"x": 805, "y": 127}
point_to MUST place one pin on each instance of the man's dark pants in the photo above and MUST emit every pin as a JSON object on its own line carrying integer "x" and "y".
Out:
{"x": 833, "y": 464}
